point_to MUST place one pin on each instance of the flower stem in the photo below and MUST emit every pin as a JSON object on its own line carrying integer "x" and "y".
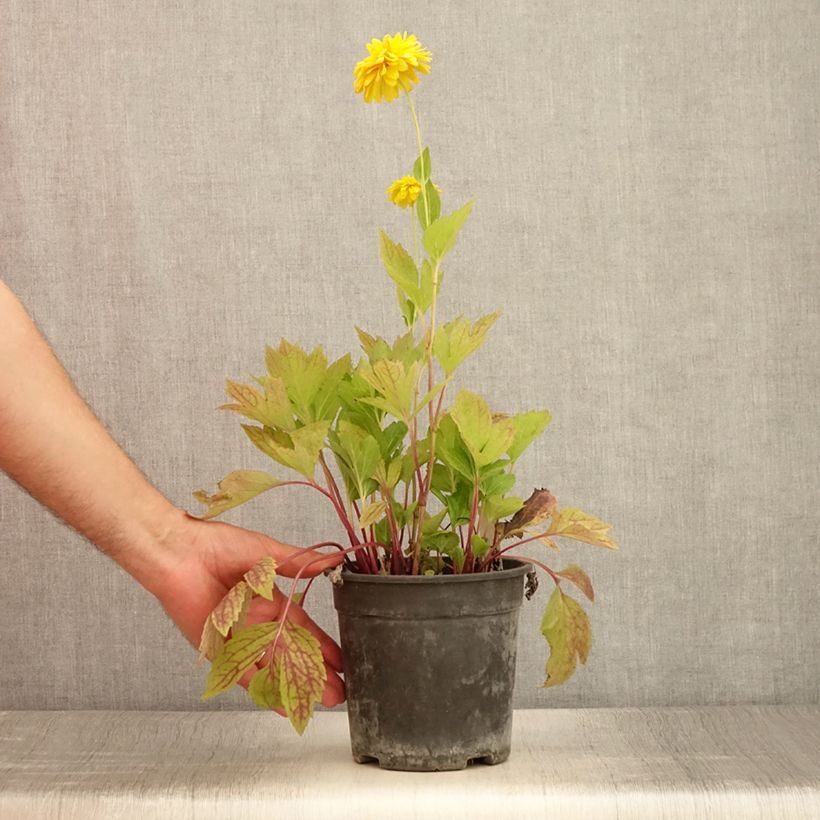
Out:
{"x": 421, "y": 152}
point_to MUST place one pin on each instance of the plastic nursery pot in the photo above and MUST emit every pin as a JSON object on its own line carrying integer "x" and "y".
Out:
{"x": 430, "y": 666}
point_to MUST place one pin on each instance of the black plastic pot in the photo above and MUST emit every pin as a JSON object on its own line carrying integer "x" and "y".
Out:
{"x": 430, "y": 666}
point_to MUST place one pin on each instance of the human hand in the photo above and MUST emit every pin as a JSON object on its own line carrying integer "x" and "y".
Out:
{"x": 209, "y": 557}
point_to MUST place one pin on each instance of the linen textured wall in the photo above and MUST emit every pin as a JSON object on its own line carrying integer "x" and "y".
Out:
{"x": 184, "y": 181}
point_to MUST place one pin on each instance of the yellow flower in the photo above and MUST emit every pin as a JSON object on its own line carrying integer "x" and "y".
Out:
{"x": 405, "y": 191}
{"x": 393, "y": 62}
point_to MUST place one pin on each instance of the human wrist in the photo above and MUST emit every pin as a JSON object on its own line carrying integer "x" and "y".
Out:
{"x": 150, "y": 551}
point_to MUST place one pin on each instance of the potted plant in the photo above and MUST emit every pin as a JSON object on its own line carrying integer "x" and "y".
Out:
{"x": 421, "y": 478}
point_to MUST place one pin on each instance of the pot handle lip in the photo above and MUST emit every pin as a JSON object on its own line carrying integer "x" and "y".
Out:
{"x": 518, "y": 568}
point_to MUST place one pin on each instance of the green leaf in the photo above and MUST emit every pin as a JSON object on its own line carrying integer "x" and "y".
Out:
{"x": 421, "y": 167}
{"x": 302, "y": 674}
{"x": 538, "y": 507}
{"x": 440, "y": 236}
{"x": 495, "y": 507}
{"x": 238, "y": 655}
{"x": 261, "y": 576}
{"x": 358, "y": 456}
{"x": 574, "y": 574}
{"x": 235, "y": 489}
{"x": 528, "y": 426}
{"x": 451, "y": 449}
{"x": 485, "y": 439}
{"x": 231, "y": 608}
{"x": 445, "y": 543}
{"x": 326, "y": 402}
{"x": 395, "y": 383}
{"x": 480, "y": 546}
{"x": 566, "y": 627}
{"x": 456, "y": 340}
{"x": 265, "y": 690}
{"x": 429, "y": 212}
{"x": 571, "y": 522}
{"x": 303, "y": 375}
{"x": 400, "y": 266}
{"x": 298, "y": 450}
{"x": 271, "y": 408}
{"x": 371, "y": 513}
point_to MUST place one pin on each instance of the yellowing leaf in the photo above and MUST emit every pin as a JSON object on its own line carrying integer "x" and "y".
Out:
{"x": 264, "y": 689}
{"x": 211, "y": 642}
{"x": 440, "y": 236}
{"x": 571, "y": 522}
{"x": 528, "y": 426}
{"x": 395, "y": 383}
{"x": 260, "y": 577}
{"x": 235, "y": 489}
{"x": 231, "y": 608}
{"x": 271, "y": 408}
{"x": 241, "y": 652}
{"x": 567, "y": 630}
{"x": 538, "y": 507}
{"x": 298, "y": 449}
{"x": 456, "y": 340}
{"x": 485, "y": 439}
{"x": 577, "y": 576}
{"x": 303, "y": 674}
{"x": 372, "y": 513}
{"x": 400, "y": 266}
{"x": 310, "y": 384}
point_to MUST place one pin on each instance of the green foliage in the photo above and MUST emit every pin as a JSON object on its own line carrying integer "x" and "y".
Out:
{"x": 441, "y": 235}
{"x": 456, "y": 340}
{"x": 428, "y": 484}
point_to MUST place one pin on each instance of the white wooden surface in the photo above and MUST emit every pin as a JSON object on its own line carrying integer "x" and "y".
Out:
{"x": 718, "y": 762}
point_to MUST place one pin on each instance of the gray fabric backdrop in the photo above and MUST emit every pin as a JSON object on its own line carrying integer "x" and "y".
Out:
{"x": 184, "y": 181}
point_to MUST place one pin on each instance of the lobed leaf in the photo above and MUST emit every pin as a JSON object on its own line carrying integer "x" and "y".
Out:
{"x": 485, "y": 439}
{"x": 574, "y": 574}
{"x": 298, "y": 450}
{"x": 236, "y": 488}
{"x": 264, "y": 688}
{"x": 302, "y": 674}
{"x": 456, "y": 340}
{"x": 570, "y": 522}
{"x": 231, "y": 608}
{"x": 566, "y": 627}
{"x": 241, "y": 652}
{"x": 538, "y": 507}
{"x": 261, "y": 576}
{"x": 371, "y": 513}
{"x": 527, "y": 426}
{"x": 271, "y": 407}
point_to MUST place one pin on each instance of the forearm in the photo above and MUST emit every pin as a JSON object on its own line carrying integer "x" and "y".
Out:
{"x": 52, "y": 445}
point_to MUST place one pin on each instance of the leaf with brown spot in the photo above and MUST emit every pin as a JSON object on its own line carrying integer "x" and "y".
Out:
{"x": 538, "y": 507}
{"x": 575, "y": 575}
{"x": 235, "y": 489}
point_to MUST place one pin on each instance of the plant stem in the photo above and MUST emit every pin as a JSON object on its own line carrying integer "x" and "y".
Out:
{"x": 468, "y": 549}
{"x": 421, "y": 152}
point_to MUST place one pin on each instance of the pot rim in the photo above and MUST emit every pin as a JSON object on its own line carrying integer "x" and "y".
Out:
{"x": 513, "y": 567}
